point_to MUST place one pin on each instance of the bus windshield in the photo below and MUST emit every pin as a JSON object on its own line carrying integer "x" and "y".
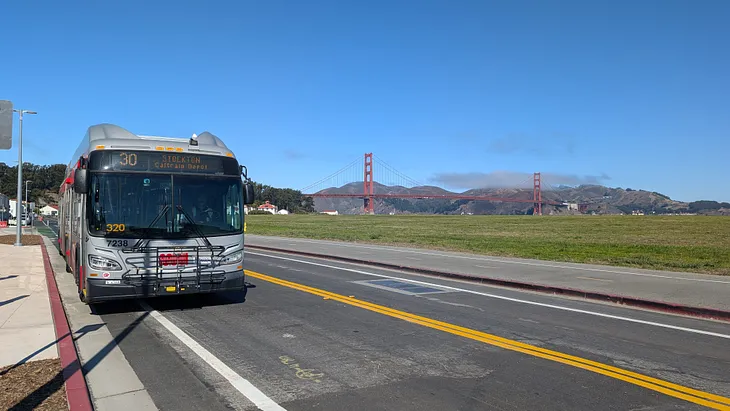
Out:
{"x": 149, "y": 205}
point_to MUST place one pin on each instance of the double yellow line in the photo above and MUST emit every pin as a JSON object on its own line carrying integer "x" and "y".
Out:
{"x": 689, "y": 394}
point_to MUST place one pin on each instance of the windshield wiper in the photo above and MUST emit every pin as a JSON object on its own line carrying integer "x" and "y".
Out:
{"x": 195, "y": 226}
{"x": 146, "y": 231}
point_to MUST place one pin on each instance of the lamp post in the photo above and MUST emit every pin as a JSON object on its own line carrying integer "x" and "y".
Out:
{"x": 18, "y": 205}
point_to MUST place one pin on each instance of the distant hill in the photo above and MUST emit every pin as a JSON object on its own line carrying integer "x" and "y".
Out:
{"x": 598, "y": 200}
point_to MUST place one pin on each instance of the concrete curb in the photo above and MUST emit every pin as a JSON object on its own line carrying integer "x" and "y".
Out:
{"x": 77, "y": 393}
{"x": 693, "y": 311}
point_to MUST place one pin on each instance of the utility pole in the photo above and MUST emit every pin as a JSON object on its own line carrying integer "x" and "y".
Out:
{"x": 19, "y": 204}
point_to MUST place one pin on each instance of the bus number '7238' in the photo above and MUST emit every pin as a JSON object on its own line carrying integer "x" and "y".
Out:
{"x": 117, "y": 243}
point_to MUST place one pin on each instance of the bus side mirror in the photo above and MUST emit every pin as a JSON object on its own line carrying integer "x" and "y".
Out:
{"x": 248, "y": 194}
{"x": 81, "y": 181}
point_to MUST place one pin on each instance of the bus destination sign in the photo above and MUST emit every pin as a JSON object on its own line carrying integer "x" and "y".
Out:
{"x": 180, "y": 162}
{"x": 165, "y": 162}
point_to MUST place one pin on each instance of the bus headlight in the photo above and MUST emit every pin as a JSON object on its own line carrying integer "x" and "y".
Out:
{"x": 232, "y": 258}
{"x": 101, "y": 263}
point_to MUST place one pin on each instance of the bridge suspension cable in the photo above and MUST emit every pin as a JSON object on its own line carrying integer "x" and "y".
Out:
{"x": 346, "y": 170}
{"x": 398, "y": 177}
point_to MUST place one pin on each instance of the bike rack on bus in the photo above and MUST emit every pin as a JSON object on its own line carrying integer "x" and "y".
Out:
{"x": 172, "y": 256}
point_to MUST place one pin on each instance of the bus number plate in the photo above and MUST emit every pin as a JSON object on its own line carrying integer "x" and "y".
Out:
{"x": 117, "y": 243}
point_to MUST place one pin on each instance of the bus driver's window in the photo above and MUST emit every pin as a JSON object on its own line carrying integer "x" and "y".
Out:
{"x": 201, "y": 211}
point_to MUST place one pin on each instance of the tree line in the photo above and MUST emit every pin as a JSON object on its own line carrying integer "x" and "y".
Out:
{"x": 284, "y": 198}
{"x": 44, "y": 181}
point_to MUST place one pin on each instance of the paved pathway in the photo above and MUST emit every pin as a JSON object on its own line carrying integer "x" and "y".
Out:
{"x": 27, "y": 332}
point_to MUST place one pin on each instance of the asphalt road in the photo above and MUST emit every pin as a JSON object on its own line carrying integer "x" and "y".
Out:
{"x": 312, "y": 334}
{"x": 699, "y": 290}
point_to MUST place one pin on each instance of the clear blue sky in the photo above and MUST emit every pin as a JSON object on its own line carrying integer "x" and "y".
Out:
{"x": 627, "y": 93}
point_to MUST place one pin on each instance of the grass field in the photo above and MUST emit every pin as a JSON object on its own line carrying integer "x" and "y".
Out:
{"x": 678, "y": 243}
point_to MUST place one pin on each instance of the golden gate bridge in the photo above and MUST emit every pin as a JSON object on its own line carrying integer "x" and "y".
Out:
{"x": 363, "y": 170}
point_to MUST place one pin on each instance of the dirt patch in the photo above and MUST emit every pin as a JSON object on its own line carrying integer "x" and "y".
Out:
{"x": 35, "y": 385}
{"x": 28, "y": 239}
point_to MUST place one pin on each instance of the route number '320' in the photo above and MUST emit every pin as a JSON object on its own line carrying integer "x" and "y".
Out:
{"x": 116, "y": 228}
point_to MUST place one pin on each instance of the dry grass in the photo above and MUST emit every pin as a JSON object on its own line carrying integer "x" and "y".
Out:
{"x": 35, "y": 385}
{"x": 679, "y": 243}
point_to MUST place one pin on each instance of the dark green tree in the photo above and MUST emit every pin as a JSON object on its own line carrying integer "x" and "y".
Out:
{"x": 44, "y": 180}
{"x": 284, "y": 198}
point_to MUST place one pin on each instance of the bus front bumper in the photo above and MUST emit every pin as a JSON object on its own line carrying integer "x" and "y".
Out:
{"x": 105, "y": 290}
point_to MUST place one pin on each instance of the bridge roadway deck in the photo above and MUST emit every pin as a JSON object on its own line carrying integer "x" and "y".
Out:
{"x": 305, "y": 350}
{"x": 671, "y": 287}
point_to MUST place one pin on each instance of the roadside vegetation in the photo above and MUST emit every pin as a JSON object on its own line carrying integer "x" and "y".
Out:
{"x": 676, "y": 243}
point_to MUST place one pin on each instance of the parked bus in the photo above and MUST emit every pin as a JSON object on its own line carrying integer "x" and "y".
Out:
{"x": 143, "y": 216}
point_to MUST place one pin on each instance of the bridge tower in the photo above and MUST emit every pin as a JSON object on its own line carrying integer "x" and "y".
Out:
{"x": 537, "y": 194}
{"x": 368, "y": 186}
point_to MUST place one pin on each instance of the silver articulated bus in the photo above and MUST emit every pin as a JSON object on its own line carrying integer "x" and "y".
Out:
{"x": 145, "y": 216}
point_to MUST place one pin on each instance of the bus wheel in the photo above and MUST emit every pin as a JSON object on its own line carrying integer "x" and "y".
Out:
{"x": 68, "y": 269}
{"x": 81, "y": 296}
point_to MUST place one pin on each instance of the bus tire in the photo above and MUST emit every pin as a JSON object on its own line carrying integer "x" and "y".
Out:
{"x": 68, "y": 269}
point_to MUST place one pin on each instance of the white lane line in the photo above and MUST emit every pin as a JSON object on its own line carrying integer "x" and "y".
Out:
{"x": 500, "y": 297}
{"x": 414, "y": 258}
{"x": 599, "y": 270}
{"x": 486, "y": 266}
{"x": 241, "y": 384}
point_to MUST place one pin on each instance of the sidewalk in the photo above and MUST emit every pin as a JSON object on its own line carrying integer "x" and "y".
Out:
{"x": 38, "y": 360}
{"x": 26, "y": 323}
{"x": 684, "y": 293}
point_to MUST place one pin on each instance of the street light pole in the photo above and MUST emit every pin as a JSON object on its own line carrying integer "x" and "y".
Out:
{"x": 18, "y": 205}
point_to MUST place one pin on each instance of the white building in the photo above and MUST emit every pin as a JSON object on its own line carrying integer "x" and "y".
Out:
{"x": 330, "y": 212}
{"x": 268, "y": 207}
{"x": 49, "y": 210}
